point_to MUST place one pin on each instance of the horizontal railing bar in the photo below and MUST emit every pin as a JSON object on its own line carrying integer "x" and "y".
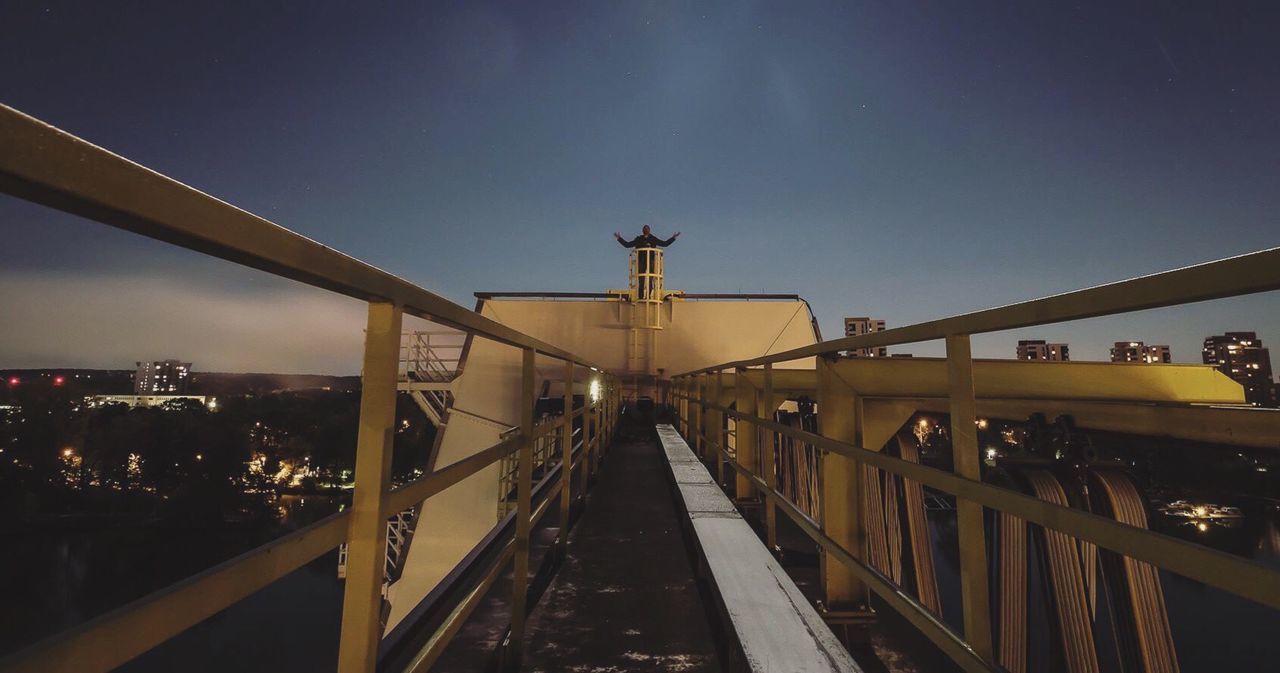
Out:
{"x": 417, "y": 491}
{"x": 548, "y": 426}
{"x": 1240, "y": 576}
{"x": 906, "y": 605}
{"x": 106, "y": 642}
{"x": 444, "y": 635}
{"x": 1231, "y": 277}
{"x": 547, "y": 501}
{"x": 43, "y": 164}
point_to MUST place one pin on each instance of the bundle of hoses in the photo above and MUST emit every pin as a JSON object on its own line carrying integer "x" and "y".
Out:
{"x": 885, "y": 499}
{"x": 797, "y": 465}
{"x": 1068, "y": 570}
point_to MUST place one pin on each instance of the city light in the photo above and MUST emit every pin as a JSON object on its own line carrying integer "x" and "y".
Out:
{"x": 595, "y": 390}
{"x": 13, "y": 380}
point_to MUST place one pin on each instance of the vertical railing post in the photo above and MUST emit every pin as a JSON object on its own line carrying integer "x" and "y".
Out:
{"x": 609, "y": 411}
{"x": 746, "y": 447}
{"x": 367, "y": 535}
{"x": 586, "y": 439}
{"x": 682, "y": 414}
{"x": 840, "y": 489}
{"x": 683, "y": 406}
{"x": 566, "y": 460}
{"x": 969, "y": 515}
{"x": 712, "y": 422}
{"x": 524, "y": 510}
{"x": 765, "y": 409}
{"x": 699, "y": 414}
{"x": 596, "y": 434}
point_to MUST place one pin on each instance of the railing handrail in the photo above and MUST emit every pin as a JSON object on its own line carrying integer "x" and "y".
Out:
{"x": 1250, "y": 273}
{"x": 46, "y": 165}
{"x": 1238, "y": 575}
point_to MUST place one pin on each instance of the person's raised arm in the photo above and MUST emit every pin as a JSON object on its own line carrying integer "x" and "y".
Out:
{"x": 625, "y": 243}
{"x": 669, "y": 241}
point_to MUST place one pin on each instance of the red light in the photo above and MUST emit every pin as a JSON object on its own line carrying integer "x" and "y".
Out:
{"x": 13, "y": 381}
{"x": 58, "y": 380}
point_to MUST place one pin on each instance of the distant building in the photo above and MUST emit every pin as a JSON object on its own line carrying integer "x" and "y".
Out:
{"x": 860, "y": 326}
{"x": 167, "y": 377}
{"x": 1241, "y": 356}
{"x": 1040, "y": 350}
{"x": 1136, "y": 351}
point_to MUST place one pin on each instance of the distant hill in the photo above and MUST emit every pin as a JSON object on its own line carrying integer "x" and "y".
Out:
{"x": 120, "y": 381}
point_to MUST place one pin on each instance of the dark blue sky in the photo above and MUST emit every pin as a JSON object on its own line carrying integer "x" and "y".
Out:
{"x": 903, "y": 160}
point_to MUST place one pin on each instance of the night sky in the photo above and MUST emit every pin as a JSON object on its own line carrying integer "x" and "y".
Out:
{"x": 902, "y": 160}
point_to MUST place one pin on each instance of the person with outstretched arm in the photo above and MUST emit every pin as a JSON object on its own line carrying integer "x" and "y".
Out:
{"x": 646, "y": 239}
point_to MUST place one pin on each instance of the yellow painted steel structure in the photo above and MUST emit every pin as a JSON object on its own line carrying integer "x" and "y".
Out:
{"x": 862, "y": 402}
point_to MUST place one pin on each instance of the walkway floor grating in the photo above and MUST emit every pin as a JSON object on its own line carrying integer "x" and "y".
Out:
{"x": 625, "y": 599}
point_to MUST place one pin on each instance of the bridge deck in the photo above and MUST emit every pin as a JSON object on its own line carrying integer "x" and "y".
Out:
{"x": 626, "y": 598}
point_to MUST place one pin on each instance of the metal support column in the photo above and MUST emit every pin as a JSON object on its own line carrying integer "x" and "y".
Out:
{"x": 524, "y": 511}
{"x": 566, "y": 460}
{"x": 746, "y": 446}
{"x": 765, "y": 409}
{"x": 682, "y": 403}
{"x": 699, "y": 415}
{"x": 586, "y": 440}
{"x": 840, "y": 488}
{"x": 969, "y": 514}
{"x": 715, "y": 426}
{"x": 367, "y": 551}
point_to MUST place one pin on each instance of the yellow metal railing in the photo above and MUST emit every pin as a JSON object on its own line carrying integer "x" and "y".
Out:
{"x": 700, "y": 398}
{"x": 45, "y": 165}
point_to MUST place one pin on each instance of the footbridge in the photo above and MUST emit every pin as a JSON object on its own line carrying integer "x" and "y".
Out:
{"x": 605, "y": 486}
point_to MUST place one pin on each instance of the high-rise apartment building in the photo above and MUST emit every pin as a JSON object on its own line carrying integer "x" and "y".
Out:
{"x": 164, "y": 377}
{"x": 1241, "y": 356}
{"x": 1137, "y": 351}
{"x": 1041, "y": 350}
{"x": 863, "y": 325}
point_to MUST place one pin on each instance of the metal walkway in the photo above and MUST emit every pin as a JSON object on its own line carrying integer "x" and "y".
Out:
{"x": 625, "y": 598}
